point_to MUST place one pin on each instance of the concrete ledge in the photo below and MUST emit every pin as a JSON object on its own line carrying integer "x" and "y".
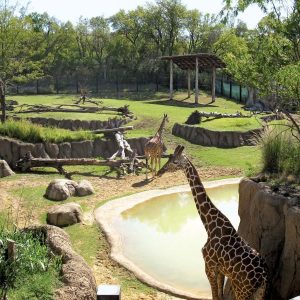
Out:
{"x": 107, "y": 214}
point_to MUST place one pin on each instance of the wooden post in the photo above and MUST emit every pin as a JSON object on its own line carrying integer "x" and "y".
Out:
{"x": 230, "y": 89}
{"x": 240, "y": 93}
{"x": 213, "y": 86}
{"x": 37, "y": 86}
{"x": 189, "y": 83}
{"x": 196, "y": 83}
{"x": 11, "y": 250}
{"x": 171, "y": 79}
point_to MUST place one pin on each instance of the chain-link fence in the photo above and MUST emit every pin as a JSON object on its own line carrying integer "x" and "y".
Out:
{"x": 120, "y": 84}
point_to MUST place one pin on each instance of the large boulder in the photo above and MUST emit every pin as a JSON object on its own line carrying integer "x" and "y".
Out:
{"x": 61, "y": 189}
{"x": 5, "y": 170}
{"x": 84, "y": 188}
{"x": 64, "y": 215}
{"x": 270, "y": 223}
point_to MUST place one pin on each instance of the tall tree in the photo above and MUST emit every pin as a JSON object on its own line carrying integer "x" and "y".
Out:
{"x": 16, "y": 62}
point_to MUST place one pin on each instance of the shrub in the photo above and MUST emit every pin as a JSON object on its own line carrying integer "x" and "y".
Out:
{"x": 33, "y": 271}
{"x": 280, "y": 151}
{"x": 29, "y": 132}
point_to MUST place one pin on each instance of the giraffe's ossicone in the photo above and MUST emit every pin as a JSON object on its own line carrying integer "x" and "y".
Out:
{"x": 225, "y": 252}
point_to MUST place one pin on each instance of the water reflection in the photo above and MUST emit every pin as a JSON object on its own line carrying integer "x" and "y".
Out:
{"x": 164, "y": 237}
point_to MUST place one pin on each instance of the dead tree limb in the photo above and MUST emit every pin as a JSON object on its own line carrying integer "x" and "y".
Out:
{"x": 123, "y": 128}
{"x": 28, "y": 162}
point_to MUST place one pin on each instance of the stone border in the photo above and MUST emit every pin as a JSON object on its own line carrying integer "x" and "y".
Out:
{"x": 78, "y": 124}
{"x": 77, "y": 277}
{"x": 106, "y": 215}
{"x": 12, "y": 150}
{"x": 221, "y": 139}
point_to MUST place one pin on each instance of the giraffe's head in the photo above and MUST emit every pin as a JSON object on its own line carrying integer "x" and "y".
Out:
{"x": 176, "y": 161}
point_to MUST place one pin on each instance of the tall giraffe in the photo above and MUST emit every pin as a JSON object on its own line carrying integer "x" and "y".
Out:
{"x": 225, "y": 252}
{"x": 154, "y": 147}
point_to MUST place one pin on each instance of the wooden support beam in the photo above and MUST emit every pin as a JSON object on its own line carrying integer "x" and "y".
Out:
{"x": 189, "y": 83}
{"x": 196, "y": 82}
{"x": 171, "y": 79}
{"x": 213, "y": 86}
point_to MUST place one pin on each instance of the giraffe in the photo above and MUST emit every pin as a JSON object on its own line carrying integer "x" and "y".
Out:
{"x": 225, "y": 252}
{"x": 154, "y": 147}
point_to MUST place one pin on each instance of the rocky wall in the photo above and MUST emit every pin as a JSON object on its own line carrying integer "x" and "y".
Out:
{"x": 221, "y": 139}
{"x": 79, "y": 124}
{"x": 12, "y": 150}
{"x": 270, "y": 223}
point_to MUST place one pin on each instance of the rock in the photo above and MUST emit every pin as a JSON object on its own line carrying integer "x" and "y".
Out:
{"x": 61, "y": 189}
{"x": 270, "y": 223}
{"x": 82, "y": 149}
{"x": 5, "y": 170}
{"x": 64, "y": 150}
{"x": 84, "y": 188}
{"x": 52, "y": 149}
{"x": 65, "y": 214}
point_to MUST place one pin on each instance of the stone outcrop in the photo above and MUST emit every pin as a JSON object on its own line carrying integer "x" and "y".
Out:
{"x": 12, "y": 150}
{"x": 270, "y": 223}
{"x": 5, "y": 170}
{"x": 222, "y": 139}
{"x": 84, "y": 188}
{"x": 64, "y": 215}
{"x": 77, "y": 277}
{"x": 61, "y": 189}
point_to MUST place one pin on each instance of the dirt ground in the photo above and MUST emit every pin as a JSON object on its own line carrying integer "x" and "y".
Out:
{"x": 106, "y": 270}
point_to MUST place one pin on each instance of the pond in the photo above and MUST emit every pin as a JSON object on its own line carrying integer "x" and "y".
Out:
{"x": 160, "y": 237}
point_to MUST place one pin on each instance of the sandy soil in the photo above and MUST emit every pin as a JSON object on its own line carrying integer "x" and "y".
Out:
{"x": 105, "y": 270}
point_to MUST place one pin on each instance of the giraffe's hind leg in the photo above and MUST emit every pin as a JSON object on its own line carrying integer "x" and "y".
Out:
{"x": 260, "y": 293}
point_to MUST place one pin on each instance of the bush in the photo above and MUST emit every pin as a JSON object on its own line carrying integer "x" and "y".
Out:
{"x": 280, "y": 151}
{"x": 29, "y": 132}
{"x": 33, "y": 272}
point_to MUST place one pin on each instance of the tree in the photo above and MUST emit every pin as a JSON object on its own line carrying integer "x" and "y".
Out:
{"x": 16, "y": 64}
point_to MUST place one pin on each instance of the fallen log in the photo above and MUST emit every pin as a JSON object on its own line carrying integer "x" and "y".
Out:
{"x": 107, "y": 130}
{"x": 196, "y": 116}
{"x": 28, "y": 162}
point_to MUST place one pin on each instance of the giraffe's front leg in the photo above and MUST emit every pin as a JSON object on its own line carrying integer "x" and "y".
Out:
{"x": 211, "y": 274}
{"x": 220, "y": 283}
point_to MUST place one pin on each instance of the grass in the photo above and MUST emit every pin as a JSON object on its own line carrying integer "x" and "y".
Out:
{"x": 280, "y": 151}
{"x": 89, "y": 243}
{"x": 150, "y": 110}
{"x": 28, "y": 132}
{"x": 33, "y": 273}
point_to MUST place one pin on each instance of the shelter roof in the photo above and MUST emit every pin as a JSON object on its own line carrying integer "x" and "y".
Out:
{"x": 188, "y": 61}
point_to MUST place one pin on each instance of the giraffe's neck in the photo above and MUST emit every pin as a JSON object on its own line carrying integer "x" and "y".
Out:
{"x": 161, "y": 128}
{"x": 209, "y": 214}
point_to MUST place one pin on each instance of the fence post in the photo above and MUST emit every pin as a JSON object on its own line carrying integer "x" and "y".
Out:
{"x": 222, "y": 87}
{"x": 240, "y": 93}
{"x": 11, "y": 250}
{"x": 56, "y": 83}
{"x": 37, "y": 86}
{"x": 230, "y": 89}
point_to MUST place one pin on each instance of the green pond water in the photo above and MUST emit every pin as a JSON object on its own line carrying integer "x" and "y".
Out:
{"x": 164, "y": 237}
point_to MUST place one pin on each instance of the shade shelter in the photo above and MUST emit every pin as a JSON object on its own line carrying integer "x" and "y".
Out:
{"x": 198, "y": 61}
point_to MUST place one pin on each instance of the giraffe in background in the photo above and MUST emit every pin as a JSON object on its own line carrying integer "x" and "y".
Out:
{"x": 154, "y": 148}
{"x": 225, "y": 252}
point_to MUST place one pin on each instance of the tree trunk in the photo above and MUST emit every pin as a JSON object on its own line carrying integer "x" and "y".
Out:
{"x": 250, "y": 100}
{"x": 2, "y": 100}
